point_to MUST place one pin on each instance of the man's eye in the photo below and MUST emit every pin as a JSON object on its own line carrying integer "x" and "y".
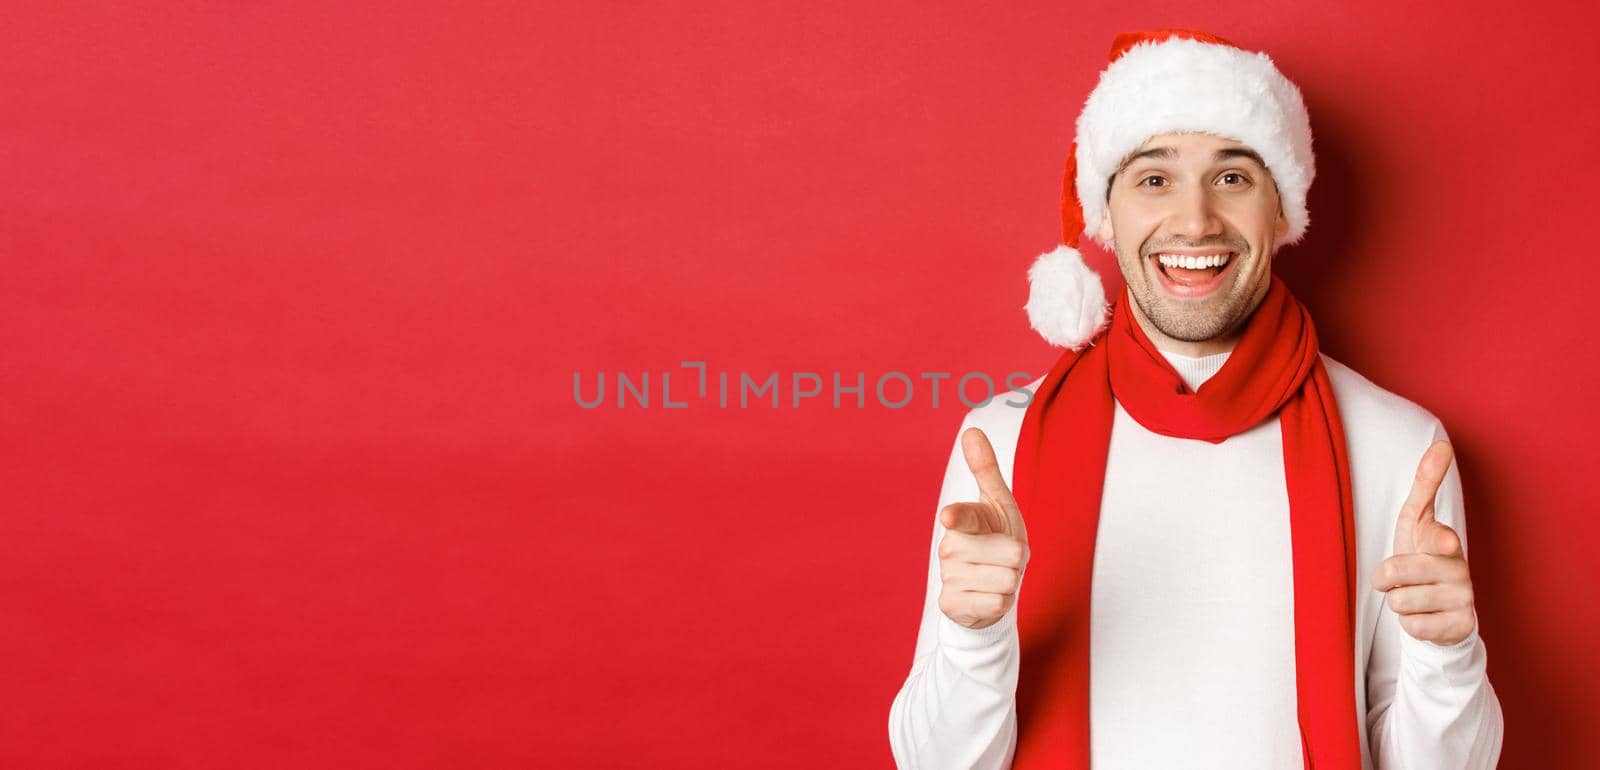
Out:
{"x": 1233, "y": 174}
{"x": 1156, "y": 178}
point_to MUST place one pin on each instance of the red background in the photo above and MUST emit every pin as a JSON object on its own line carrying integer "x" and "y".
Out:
{"x": 293, "y": 298}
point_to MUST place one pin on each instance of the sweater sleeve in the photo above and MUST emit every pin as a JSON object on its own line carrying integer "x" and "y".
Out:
{"x": 957, "y": 707}
{"x": 1431, "y": 706}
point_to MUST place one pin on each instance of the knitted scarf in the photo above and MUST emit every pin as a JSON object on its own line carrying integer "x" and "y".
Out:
{"x": 1057, "y": 482}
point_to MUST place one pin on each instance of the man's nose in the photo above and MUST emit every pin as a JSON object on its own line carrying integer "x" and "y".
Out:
{"x": 1196, "y": 216}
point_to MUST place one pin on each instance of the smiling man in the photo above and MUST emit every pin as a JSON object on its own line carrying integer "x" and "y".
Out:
{"x": 1239, "y": 552}
{"x": 1205, "y": 214}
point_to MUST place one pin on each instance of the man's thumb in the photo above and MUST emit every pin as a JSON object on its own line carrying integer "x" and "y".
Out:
{"x": 1437, "y": 539}
{"x": 963, "y": 518}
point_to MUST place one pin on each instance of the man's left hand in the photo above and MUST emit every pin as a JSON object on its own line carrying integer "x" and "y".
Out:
{"x": 1426, "y": 579}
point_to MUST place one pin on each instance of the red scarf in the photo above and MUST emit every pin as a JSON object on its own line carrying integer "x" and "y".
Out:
{"x": 1060, "y": 470}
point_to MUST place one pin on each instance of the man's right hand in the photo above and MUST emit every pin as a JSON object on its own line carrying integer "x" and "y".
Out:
{"x": 985, "y": 546}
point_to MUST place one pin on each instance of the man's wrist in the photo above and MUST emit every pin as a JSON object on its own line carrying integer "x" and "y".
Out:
{"x": 957, "y": 636}
{"x": 1433, "y": 651}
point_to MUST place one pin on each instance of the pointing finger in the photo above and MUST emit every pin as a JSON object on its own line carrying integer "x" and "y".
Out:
{"x": 986, "y": 469}
{"x": 1424, "y": 487}
{"x": 1430, "y": 474}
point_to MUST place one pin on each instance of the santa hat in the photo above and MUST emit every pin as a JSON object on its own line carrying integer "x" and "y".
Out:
{"x": 1165, "y": 81}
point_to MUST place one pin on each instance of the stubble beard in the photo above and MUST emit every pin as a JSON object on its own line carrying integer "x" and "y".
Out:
{"x": 1192, "y": 322}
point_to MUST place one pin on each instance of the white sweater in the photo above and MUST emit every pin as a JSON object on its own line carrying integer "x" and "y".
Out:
{"x": 1192, "y": 660}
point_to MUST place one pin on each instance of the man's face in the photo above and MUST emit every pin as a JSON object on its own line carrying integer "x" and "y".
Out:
{"x": 1194, "y": 196}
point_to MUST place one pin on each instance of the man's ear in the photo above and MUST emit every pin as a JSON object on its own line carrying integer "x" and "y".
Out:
{"x": 1282, "y": 227}
{"x": 1105, "y": 227}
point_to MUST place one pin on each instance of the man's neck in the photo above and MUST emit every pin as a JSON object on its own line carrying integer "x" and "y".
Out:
{"x": 1193, "y": 349}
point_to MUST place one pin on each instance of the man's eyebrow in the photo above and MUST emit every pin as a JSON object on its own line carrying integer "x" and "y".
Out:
{"x": 1164, "y": 153}
{"x": 1240, "y": 152}
{"x": 1167, "y": 153}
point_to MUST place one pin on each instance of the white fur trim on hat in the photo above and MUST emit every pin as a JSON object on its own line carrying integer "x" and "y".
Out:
{"x": 1066, "y": 299}
{"x": 1179, "y": 85}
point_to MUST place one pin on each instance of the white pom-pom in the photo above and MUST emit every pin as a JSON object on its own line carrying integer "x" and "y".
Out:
{"x": 1066, "y": 300}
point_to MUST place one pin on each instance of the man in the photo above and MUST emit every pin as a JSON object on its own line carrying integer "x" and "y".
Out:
{"x": 1239, "y": 552}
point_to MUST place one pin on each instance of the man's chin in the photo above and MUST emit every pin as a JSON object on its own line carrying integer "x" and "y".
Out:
{"x": 1187, "y": 319}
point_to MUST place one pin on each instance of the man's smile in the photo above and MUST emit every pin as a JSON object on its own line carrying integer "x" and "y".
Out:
{"x": 1192, "y": 273}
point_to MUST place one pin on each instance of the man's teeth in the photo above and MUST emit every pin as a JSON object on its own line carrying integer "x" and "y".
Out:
{"x": 1193, "y": 263}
